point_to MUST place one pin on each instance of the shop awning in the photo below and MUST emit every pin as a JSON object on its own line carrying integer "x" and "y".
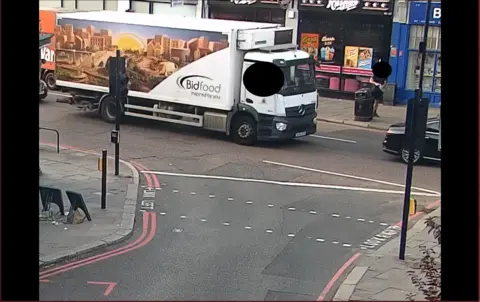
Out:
{"x": 44, "y": 39}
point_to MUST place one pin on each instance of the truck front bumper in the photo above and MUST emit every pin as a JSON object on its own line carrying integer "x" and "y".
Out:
{"x": 295, "y": 127}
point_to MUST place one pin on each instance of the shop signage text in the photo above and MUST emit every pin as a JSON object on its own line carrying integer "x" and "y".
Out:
{"x": 249, "y": 2}
{"x": 364, "y": 6}
{"x": 342, "y": 5}
{"x": 418, "y": 13}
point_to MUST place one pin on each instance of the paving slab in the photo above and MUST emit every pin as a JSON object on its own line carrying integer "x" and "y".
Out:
{"x": 77, "y": 171}
{"x": 341, "y": 112}
{"x": 381, "y": 276}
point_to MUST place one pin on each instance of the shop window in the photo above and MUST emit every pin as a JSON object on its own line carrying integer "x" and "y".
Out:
{"x": 278, "y": 16}
{"x": 438, "y": 74}
{"x": 51, "y": 3}
{"x": 89, "y": 5}
{"x": 141, "y": 7}
{"x": 434, "y": 39}
{"x": 400, "y": 11}
{"x": 413, "y": 72}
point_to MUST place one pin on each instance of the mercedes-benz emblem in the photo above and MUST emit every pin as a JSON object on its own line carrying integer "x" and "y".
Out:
{"x": 301, "y": 110}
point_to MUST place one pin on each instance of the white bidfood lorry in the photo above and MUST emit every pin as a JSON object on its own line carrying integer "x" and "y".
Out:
{"x": 187, "y": 71}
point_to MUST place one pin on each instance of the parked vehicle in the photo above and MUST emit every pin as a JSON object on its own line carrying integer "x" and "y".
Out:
{"x": 188, "y": 71}
{"x": 395, "y": 137}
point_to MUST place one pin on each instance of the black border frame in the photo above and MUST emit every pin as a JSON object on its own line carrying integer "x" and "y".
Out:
{"x": 460, "y": 212}
{"x": 19, "y": 220}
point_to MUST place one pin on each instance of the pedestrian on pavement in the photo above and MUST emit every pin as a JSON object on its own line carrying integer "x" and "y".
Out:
{"x": 378, "y": 88}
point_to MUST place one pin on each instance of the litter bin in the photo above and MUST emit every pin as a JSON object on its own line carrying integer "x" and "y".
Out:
{"x": 364, "y": 101}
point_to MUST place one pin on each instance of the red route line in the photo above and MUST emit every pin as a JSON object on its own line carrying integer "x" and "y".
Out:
{"x": 132, "y": 246}
{"x": 352, "y": 259}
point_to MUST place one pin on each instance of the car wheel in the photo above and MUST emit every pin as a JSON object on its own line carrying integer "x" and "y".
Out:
{"x": 244, "y": 131}
{"x": 417, "y": 155}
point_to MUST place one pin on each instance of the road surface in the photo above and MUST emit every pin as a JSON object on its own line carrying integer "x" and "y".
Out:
{"x": 273, "y": 222}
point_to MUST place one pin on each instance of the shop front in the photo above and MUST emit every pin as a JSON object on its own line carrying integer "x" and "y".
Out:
{"x": 346, "y": 37}
{"x": 267, "y": 11}
{"x": 406, "y": 65}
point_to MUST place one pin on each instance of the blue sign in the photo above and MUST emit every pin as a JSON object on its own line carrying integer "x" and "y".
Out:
{"x": 418, "y": 11}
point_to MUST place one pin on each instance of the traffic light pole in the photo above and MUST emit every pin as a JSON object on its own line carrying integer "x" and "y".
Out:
{"x": 118, "y": 113}
{"x": 411, "y": 139}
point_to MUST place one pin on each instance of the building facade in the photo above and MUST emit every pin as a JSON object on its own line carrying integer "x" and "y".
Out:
{"x": 346, "y": 37}
{"x": 407, "y": 33}
{"x": 265, "y": 11}
{"x": 190, "y": 8}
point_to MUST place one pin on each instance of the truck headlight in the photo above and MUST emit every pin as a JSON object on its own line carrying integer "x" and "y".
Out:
{"x": 281, "y": 126}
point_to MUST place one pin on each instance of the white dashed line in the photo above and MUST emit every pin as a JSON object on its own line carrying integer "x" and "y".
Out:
{"x": 383, "y": 223}
{"x": 162, "y": 213}
{"x": 320, "y": 240}
{"x": 346, "y": 245}
{"x": 226, "y": 223}
{"x": 371, "y": 221}
{"x": 360, "y": 219}
{"x": 270, "y": 206}
{"x": 335, "y": 242}
{"x": 193, "y": 193}
{"x": 158, "y": 189}
{"x": 291, "y": 209}
{"x": 291, "y": 235}
{"x": 335, "y": 215}
{"x": 183, "y": 217}
{"x": 348, "y": 217}
{"x": 203, "y": 220}
{"x": 211, "y": 196}
{"x": 230, "y": 198}
{"x": 175, "y": 191}
{"x": 312, "y": 212}
{"x": 248, "y": 227}
{"x": 249, "y": 202}
{"x": 163, "y": 184}
{"x": 269, "y": 231}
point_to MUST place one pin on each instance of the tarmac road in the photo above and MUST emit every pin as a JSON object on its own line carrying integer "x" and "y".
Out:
{"x": 243, "y": 233}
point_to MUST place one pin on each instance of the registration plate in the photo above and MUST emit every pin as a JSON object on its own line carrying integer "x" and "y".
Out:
{"x": 301, "y": 134}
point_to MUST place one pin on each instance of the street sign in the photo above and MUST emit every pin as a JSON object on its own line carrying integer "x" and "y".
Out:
{"x": 175, "y": 3}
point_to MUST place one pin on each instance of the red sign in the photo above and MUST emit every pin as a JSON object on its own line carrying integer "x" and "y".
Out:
{"x": 357, "y": 71}
{"x": 329, "y": 68}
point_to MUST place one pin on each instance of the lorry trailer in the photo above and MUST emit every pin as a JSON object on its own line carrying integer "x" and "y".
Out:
{"x": 187, "y": 71}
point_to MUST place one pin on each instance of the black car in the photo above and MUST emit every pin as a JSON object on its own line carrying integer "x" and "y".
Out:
{"x": 394, "y": 142}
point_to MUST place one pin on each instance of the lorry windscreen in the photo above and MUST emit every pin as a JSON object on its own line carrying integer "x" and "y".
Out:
{"x": 299, "y": 78}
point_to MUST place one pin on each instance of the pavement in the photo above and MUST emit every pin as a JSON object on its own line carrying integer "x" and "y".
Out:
{"x": 77, "y": 171}
{"x": 341, "y": 112}
{"x": 380, "y": 275}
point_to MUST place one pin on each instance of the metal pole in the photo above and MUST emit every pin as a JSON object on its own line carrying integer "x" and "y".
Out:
{"x": 104, "y": 180}
{"x": 117, "y": 120}
{"x": 412, "y": 138}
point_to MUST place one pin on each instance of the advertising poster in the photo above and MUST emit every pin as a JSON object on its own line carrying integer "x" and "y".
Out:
{"x": 327, "y": 49}
{"x": 47, "y": 26}
{"x": 351, "y": 57}
{"x": 365, "y": 57}
{"x": 310, "y": 43}
{"x": 152, "y": 53}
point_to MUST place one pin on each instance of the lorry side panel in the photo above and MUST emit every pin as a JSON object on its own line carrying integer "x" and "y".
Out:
{"x": 47, "y": 25}
{"x": 181, "y": 66}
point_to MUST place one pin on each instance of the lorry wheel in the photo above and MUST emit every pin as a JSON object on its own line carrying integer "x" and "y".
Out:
{"x": 244, "y": 131}
{"x": 45, "y": 91}
{"x": 108, "y": 110}
{"x": 51, "y": 80}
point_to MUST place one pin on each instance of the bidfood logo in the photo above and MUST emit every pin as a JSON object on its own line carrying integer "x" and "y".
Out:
{"x": 200, "y": 86}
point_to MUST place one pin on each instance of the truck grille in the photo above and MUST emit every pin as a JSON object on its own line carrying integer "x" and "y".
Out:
{"x": 299, "y": 111}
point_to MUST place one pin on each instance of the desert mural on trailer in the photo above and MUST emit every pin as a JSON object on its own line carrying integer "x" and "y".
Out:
{"x": 152, "y": 53}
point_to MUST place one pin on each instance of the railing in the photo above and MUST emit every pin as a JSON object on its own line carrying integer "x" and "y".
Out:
{"x": 58, "y": 136}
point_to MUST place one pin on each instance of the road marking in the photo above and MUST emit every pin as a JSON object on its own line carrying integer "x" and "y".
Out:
{"x": 312, "y": 212}
{"x": 291, "y": 235}
{"x": 291, "y": 184}
{"x": 269, "y": 231}
{"x": 335, "y": 215}
{"x": 110, "y": 286}
{"x": 248, "y": 227}
{"x": 147, "y": 205}
{"x": 334, "y": 139}
{"x": 320, "y": 240}
{"x": 140, "y": 242}
{"x": 44, "y": 281}
{"x": 349, "y": 176}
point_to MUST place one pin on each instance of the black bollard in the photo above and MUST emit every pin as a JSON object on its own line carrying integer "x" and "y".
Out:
{"x": 104, "y": 179}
